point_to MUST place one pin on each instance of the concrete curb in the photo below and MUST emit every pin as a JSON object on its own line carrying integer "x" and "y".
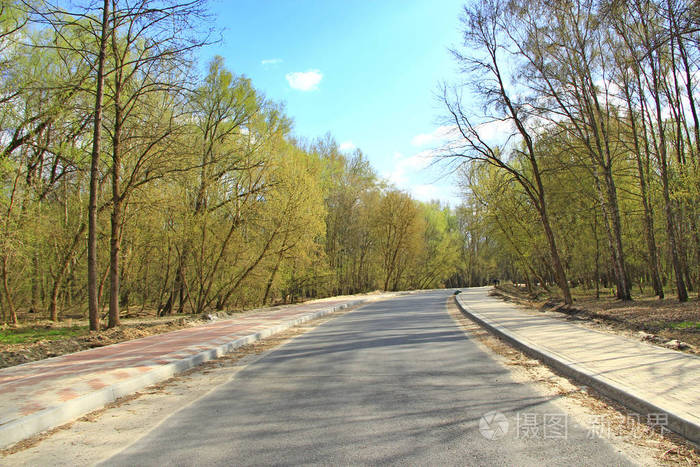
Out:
{"x": 59, "y": 414}
{"x": 680, "y": 424}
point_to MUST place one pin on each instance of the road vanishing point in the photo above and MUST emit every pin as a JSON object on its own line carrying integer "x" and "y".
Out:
{"x": 393, "y": 382}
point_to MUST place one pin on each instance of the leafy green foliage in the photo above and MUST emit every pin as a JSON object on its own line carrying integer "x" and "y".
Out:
{"x": 28, "y": 334}
{"x": 218, "y": 206}
{"x": 685, "y": 325}
{"x": 611, "y": 128}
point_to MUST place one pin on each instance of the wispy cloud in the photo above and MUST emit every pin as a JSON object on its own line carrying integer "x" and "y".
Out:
{"x": 415, "y": 175}
{"x": 397, "y": 176}
{"x": 347, "y": 146}
{"x": 431, "y": 192}
{"x": 439, "y": 135}
{"x": 426, "y": 192}
{"x": 421, "y": 160}
{"x": 495, "y": 131}
{"x": 271, "y": 61}
{"x": 304, "y": 80}
{"x": 404, "y": 167}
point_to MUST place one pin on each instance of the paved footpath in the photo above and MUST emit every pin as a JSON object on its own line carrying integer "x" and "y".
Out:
{"x": 40, "y": 395}
{"x": 657, "y": 382}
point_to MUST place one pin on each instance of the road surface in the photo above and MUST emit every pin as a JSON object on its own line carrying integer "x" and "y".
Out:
{"x": 395, "y": 382}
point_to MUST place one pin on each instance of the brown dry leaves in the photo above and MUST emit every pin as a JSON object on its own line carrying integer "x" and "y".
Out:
{"x": 644, "y": 313}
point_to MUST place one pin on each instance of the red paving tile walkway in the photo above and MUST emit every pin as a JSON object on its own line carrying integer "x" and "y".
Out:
{"x": 43, "y": 394}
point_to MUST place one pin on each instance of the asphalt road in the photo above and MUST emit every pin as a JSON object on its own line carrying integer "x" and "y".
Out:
{"x": 395, "y": 382}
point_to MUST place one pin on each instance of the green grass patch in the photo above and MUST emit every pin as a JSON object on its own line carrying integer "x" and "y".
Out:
{"x": 34, "y": 334}
{"x": 685, "y": 325}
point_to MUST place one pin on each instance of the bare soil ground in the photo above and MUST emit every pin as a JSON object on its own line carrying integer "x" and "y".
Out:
{"x": 23, "y": 352}
{"x": 72, "y": 334}
{"x": 646, "y": 317}
{"x": 595, "y": 412}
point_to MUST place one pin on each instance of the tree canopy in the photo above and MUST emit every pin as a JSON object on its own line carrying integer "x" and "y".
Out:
{"x": 202, "y": 197}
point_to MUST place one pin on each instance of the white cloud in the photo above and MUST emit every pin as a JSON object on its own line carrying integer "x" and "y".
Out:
{"x": 404, "y": 167}
{"x": 347, "y": 146}
{"x": 426, "y": 192}
{"x": 431, "y": 192}
{"x": 397, "y": 176}
{"x": 420, "y": 161}
{"x": 418, "y": 174}
{"x": 439, "y": 135}
{"x": 271, "y": 61}
{"x": 495, "y": 131}
{"x": 422, "y": 139}
{"x": 304, "y": 80}
{"x": 414, "y": 175}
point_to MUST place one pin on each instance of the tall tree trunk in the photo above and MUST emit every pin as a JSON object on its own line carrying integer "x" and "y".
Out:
{"x": 114, "y": 247}
{"x": 114, "y": 239}
{"x": 648, "y": 217}
{"x": 597, "y": 257}
{"x": 271, "y": 280}
{"x": 61, "y": 273}
{"x": 601, "y": 156}
{"x": 36, "y": 274}
{"x": 8, "y": 295}
{"x": 602, "y": 201}
{"x": 559, "y": 273}
{"x": 280, "y": 256}
{"x": 624, "y": 291}
{"x": 666, "y": 191}
{"x": 178, "y": 286}
{"x": 93, "y": 299}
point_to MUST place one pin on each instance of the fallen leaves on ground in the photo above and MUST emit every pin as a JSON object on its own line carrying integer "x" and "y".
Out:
{"x": 663, "y": 319}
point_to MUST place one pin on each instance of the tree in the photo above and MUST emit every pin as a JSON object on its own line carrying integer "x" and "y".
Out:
{"x": 398, "y": 227}
{"x": 94, "y": 171}
{"x": 149, "y": 43}
{"x": 351, "y": 197}
{"x": 566, "y": 94}
{"x": 605, "y": 92}
{"x": 483, "y": 31}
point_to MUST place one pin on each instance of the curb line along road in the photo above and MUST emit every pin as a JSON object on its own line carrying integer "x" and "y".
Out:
{"x": 676, "y": 422}
{"x": 58, "y": 414}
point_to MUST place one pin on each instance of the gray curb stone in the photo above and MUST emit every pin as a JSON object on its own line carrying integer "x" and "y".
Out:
{"x": 59, "y": 414}
{"x": 676, "y": 422}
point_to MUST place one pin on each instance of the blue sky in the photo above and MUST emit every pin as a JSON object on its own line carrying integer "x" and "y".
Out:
{"x": 365, "y": 71}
